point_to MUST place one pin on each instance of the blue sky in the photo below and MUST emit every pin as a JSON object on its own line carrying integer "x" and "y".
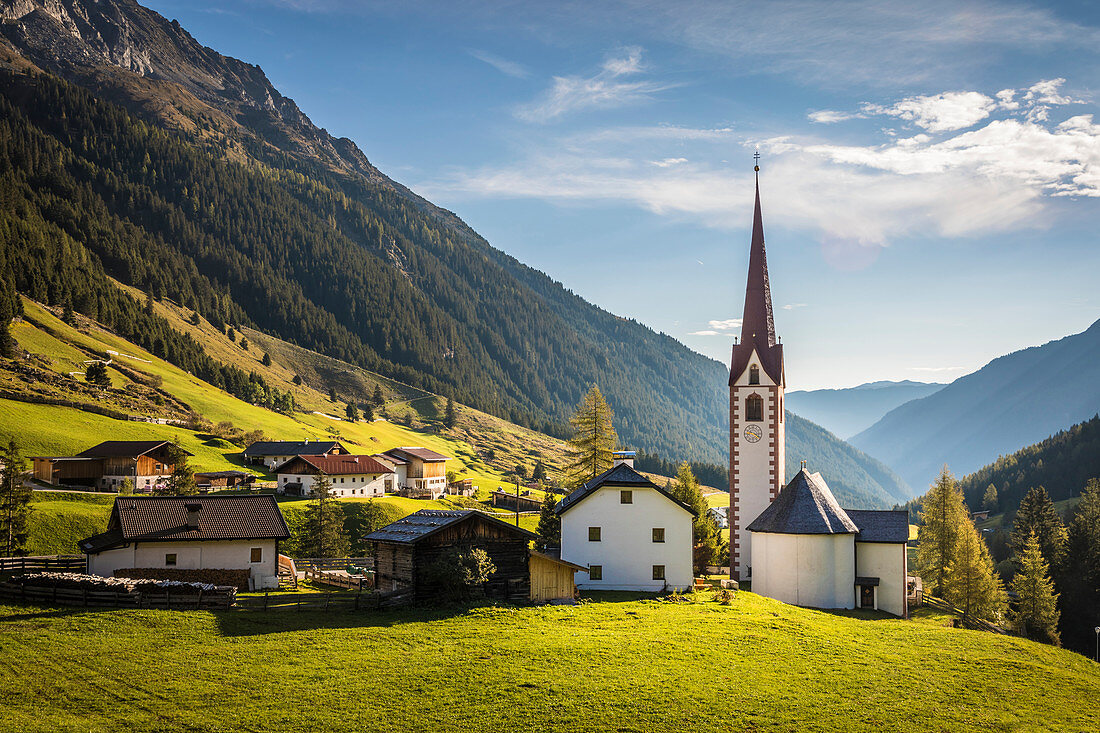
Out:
{"x": 930, "y": 171}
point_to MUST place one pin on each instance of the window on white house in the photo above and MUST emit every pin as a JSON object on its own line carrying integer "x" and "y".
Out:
{"x": 626, "y": 497}
{"x": 256, "y": 555}
{"x": 658, "y": 534}
{"x": 658, "y": 572}
{"x": 593, "y": 534}
{"x": 595, "y": 572}
{"x": 169, "y": 559}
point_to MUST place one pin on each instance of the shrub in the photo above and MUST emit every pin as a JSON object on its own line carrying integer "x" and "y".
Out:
{"x": 460, "y": 574}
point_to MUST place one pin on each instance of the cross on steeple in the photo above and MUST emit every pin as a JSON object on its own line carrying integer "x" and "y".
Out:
{"x": 756, "y": 157}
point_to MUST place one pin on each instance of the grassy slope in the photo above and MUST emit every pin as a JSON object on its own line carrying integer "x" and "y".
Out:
{"x": 627, "y": 666}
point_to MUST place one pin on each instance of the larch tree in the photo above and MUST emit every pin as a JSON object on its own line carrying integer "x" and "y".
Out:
{"x": 706, "y": 536}
{"x": 989, "y": 499}
{"x": 15, "y": 501}
{"x": 943, "y": 516}
{"x": 593, "y": 440}
{"x": 970, "y": 582}
{"x": 1037, "y": 514}
{"x": 549, "y": 529}
{"x": 1035, "y": 615}
{"x": 324, "y": 526}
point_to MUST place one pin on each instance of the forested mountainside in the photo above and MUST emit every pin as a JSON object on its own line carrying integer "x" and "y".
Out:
{"x": 1012, "y": 401}
{"x": 1062, "y": 464}
{"x": 845, "y": 412}
{"x": 215, "y": 216}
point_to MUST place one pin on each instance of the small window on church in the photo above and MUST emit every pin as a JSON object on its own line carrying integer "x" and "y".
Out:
{"x": 754, "y": 374}
{"x": 754, "y": 408}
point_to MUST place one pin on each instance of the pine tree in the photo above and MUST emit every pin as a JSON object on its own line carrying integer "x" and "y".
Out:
{"x": 1078, "y": 577}
{"x": 181, "y": 482}
{"x": 593, "y": 440}
{"x": 332, "y": 395}
{"x": 96, "y": 374}
{"x": 10, "y": 307}
{"x": 15, "y": 501}
{"x": 549, "y": 529}
{"x": 942, "y": 518}
{"x": 377, "y": 398}
{"x": 1037, "y": 514}
{"x": 266, "y": 361}
{"x": 970, "y": 582}
{"x": 1036, "y": 613}
{"x": 989, "y": 499}
{"x": 539, "y": 474}
{"x": 706, "y": 537}
{"x": 450, "y": 420}
{"x": 368, "y": 412}
{"x": 352, "y": 412}
{"x": 324, "y": 526}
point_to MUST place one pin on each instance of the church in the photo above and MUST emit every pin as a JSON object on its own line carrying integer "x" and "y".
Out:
{"x": 793, "y": 541}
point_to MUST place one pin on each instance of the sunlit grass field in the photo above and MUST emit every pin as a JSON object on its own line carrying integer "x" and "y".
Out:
{"x": 609, "y": 665}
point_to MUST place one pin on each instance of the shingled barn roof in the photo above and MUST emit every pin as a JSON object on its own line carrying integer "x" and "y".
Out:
{"x": 426, "y": 522}
{"x": 291, "y": 447}
{"x": 124, "y": 448}
{"x": 164, "y": 518}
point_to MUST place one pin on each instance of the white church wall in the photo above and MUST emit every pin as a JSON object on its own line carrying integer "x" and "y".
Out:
{"x": 887, "y": 562}
{"x": 626, "y": 551}
{"x": 805, "y": 570}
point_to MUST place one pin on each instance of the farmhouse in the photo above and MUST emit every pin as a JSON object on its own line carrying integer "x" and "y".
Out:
{"x": 220, "y": 539}
{"x": 808, "y": 551}
{"x": 107, "y": 465}
{"x": 350, "y": 475}
{"x": 629, "y": 533}
{"x": 407, "y": 550}
{"x": 272, "y": 453}
{"x": 420, "y": 472}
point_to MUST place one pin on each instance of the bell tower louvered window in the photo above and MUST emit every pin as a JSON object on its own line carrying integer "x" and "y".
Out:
{"x": 754, "y": 374}
{"x": 754, "y": 408}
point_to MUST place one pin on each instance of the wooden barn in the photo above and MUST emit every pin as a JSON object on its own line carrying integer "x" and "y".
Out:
{"x": 406, "y": 549}
{"x": 107, "y": 465}
{"x": 552, "y": 577}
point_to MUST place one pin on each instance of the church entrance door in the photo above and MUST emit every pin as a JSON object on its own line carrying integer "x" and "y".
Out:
{"x": 867, "y": 596}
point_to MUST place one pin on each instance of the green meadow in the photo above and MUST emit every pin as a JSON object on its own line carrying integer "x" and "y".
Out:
{"x": 606, "y": 665}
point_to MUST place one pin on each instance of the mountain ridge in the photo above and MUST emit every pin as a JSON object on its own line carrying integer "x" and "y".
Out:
{"x": 847, "y": 411}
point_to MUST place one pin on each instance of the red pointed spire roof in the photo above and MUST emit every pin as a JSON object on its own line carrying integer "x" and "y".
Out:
{"x": 758, "y": 321}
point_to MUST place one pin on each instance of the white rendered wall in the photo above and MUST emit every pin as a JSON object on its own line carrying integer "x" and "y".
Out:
{"x": 211, "y": 555}
{"x": 362, "y": 484}
{"x": 757, "y": 474}
{"x": 887, "y": 562}
{"x": 815, "y": 570}
{"x": 626, "y": 549}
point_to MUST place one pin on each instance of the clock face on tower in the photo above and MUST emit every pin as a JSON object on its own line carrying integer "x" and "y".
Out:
{"x": 753, "y": 433}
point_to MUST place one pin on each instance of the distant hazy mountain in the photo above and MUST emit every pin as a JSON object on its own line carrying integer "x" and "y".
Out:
{"x": 1012, "y": 401}
{"x": 845, "y": 412}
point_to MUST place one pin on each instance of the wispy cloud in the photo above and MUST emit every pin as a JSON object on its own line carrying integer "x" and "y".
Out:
{"x": 704, "y": 333}
{"x": 939, "y": 112}
{"x": 934, "y": 370}
{"x": 501, "y": 64}
{"x": 727, "y": 325}
{"x": 606, "y": 89}
{"x": 829, "y": 116}
{"x": 669, "y": 162}
{"x": 792, "y": 306}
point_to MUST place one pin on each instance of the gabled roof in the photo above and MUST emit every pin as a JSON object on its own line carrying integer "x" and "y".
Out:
{"x": 875, "y": 525}
{"x": 758, "y": 321}
{"x": 424, "y": 454}
{"x": 164, "y": 518}
{"x": 124, "y": 448}
{"x": 426, "y": 522}
{"x": 804, "y": 506}
{"x": 339, "y": 464}
{"x": 622, "y": 476}
{"x": 387, "y": 458}
{"x": 291, "y": 447}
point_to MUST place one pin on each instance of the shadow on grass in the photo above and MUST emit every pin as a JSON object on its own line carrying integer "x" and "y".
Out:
{"x": 33, "y": 612}
{"x": 863, "y": 614}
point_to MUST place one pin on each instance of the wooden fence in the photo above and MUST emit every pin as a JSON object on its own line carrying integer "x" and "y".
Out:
{"x": 333, "y": 563}
{"x": 360, "y": 601}
{"x": 176, "y": 599}
{"x": 40, "y": 563}
{"x": 341, "y": 580}
{"x": 967, "y": 620}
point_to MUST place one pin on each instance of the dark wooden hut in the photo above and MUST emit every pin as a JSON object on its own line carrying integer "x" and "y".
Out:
{"x": 406, "y": 550}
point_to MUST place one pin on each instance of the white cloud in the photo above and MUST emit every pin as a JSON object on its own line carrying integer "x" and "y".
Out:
{"x": 704, "y": 333}
{"x": 669, "y": 162}
{"x": 501, "y": 64}
{"x": 727, "y": 325}
{"x": 792, "y": 306}
{"x": 939, "y": 112}
{"x": 604, "y": 90}
{"x": 829, "y": 116}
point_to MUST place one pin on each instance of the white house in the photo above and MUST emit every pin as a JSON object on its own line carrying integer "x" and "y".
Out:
{"x": 808, "y": 551}
{"x": 191, "y": 533}
{"x": 349, "y": 475}
{"x": 420, "y": 471}
{"x": 273, "y": 453}
{"x": 628, "y": 532}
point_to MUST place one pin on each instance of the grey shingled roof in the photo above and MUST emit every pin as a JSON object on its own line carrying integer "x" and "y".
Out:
{"x": 291, "y": 447}
{"x": 804, "y": 506}
{"x": 424, "y": 454}
{"x": 881, "y": 525}
{"x": 164, "y": 518}
{"x": 426, "y": 522}
{"x": 622, "y": 476}
{"x": 124, "y": 449}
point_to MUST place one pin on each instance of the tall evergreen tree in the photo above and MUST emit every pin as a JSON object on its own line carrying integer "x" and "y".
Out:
{"x": 181, "y": 482}
{"x": 377, "y": 398}
{"x": 971, "y": 582}
{"x": 539, "y": 473}
{"x": 706, "y": 537}
{"x": 368, "y": 412}
{"x": 549, "y": 529}
{"x": 593, "y": 440}
{"x": 1078, "y": 578}
{"x": 989, "y": 498}
{"x": 1037, "y": 514}
{"x": 96, "y": 374}
{"x": 324, "y": 527}
{"x": 15, "y": 501}
{"x": 942, "y": 518}
{"x": 332, "y": 395}
{"x": 351, "y": 412}
{"x": 1035, "y": 615}
{"x": 10, "y": 306}
{"x": 266, "y": 361}
{"x": 450, "y": 419}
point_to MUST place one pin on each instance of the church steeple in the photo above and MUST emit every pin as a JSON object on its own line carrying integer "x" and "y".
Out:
{"x": 758, "y": 321}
